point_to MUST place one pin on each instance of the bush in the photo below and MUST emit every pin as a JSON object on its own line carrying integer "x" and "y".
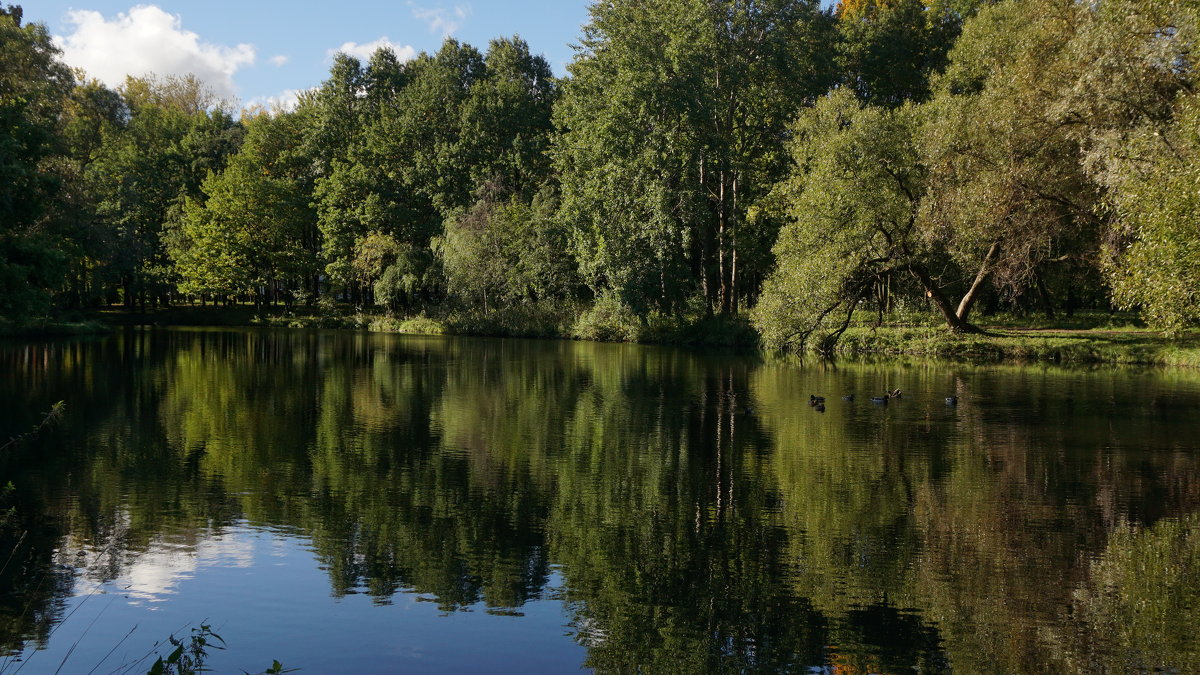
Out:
{"x": 608, "y": 320}
{"x": 536, "y": 319}
{"x": 415, "y": 325}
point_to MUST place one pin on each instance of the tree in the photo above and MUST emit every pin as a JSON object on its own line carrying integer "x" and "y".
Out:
{"x": 146, "y": 172}
{"x": 852, "y": 206}
{"x": 500, "y": 253}
{"x": 251, "y": 234}
{"x": 1157, "y": 208}
{"x": 888, "y": 50}
{"x": 430, "y": 135}
{"x": 1008, "y": 194}
{"x": 93, "y": 115}
{"x": 1141, "y": 142}
{"x": 34, "y": 87}
{"x": 671, "y": 128}
{"x": 506, "y": 121}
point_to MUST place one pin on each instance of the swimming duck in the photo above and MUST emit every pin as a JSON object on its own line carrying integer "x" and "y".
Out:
{"x": 879, "y": 399}
{"x": 820, "y": 407}
{"x": 813, "y": 399}
{"x": 951, "y": 400}
{"x": 895, "y": 393}
{"x": 848, "y": 397}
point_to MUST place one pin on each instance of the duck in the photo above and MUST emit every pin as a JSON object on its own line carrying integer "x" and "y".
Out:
{"x": 813, "y": 399}
{"x": 848, "y": 397}
{"x": 748, "y": 411}
{"x": 895, "y": 393}
{"x": 879, "y": 399}
{"x": 951, "y": 400}
{"x": 820, "y": 407}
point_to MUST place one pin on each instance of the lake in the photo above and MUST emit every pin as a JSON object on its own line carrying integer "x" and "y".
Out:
{"x": 358, "y": 502}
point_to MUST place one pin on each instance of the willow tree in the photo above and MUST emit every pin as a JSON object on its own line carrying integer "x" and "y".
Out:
{"x": 1142, "y": 144}
{"x": 671, "y": 128}
{"x": 1010, "y": 197}
{"x": 852, "y": 206}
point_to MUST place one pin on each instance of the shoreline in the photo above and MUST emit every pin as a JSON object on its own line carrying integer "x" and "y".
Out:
{"x": 999, "y": 344}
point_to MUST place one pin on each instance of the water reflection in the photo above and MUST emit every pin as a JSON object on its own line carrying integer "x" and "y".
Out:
{"x": 1045, "y": 523}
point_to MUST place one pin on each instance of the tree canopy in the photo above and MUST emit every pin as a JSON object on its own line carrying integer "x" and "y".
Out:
{"x": 772, "y": 159}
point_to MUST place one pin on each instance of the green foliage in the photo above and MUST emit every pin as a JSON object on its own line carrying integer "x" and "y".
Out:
{"x": 671, "y": 128}
{"x": 1126, "y": 346}
{"x": 238, "y": 240}
{"x": 189, "y": 654}
{"x": 417, "y": 325}
{"x": 34, "y": 90}
{"x": 888, "y": 50}
{"x": 1144, "y": 141}
{"x": 252, "y": 230}
{"x": 1158, "y": 205}
{"x": 1004, "y": 156}
{"x": 608, "y": 320}
{"x": 499, "y": 254}
{"x": 851, "y": 208}
{"x": 1008, "y": 155}
{"x": 398, "y": 273}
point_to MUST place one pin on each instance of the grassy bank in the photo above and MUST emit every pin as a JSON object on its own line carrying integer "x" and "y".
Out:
{"x": 1133, "y": 346}
{"x": 1086, "y": 339}
{"x": 599, "y": 323}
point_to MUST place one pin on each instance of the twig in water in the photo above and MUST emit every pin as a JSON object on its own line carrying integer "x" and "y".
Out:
{"x": 55, "y": 414}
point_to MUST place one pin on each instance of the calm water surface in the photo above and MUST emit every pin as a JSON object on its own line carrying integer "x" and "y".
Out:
{"x": 353, "y": 502}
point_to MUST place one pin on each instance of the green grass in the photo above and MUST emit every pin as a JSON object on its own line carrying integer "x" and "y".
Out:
{"x": 1087, "y": 338}
{"x": 1134, "y": 346}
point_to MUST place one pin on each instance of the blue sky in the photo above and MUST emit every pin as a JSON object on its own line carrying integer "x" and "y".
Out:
{"x": 259, "y": 50}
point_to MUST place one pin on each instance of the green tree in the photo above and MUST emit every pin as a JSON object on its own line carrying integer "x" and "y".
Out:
{"x": 852, "y": 207}
{"x": 252, "y": 232}
{"x": 147, "y": 170}
{"x": 1141, "y": 141}
{"x": 1008, "y": 195}
{"x": 34, "y": 89}
{"x": 671, "y": 129}
{"x": 500, "y": 253}
{"x": 888, "y": 50}
{"x": 430, "y": 135}
{"x": 1156, "y": 199}
{"x": 91, "y": 117}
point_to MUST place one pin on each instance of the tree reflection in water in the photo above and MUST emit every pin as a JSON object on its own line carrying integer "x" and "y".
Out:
{"x": 1043, "y": 524}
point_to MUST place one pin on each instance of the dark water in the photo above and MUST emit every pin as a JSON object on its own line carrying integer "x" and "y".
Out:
{"x": 349, "y": 502}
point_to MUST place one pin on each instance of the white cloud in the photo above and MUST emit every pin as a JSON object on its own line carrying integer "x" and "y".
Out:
{"x": 364, "y": 51}
{"x": 148, "y": 40}
{"x": 278, "y": 60}
{"x": 443, "y": 20}
{"x": 286, "y": 100}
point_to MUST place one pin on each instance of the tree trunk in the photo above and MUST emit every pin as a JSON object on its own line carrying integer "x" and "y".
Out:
{"x": 704, "y": 250}
{"x": 723, "y": 299}
{"x": 1044, "y": 294}
{"x": 968, "y": 300}
{"x": 733, "y": 292}
{"x": 956, "y": 324}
